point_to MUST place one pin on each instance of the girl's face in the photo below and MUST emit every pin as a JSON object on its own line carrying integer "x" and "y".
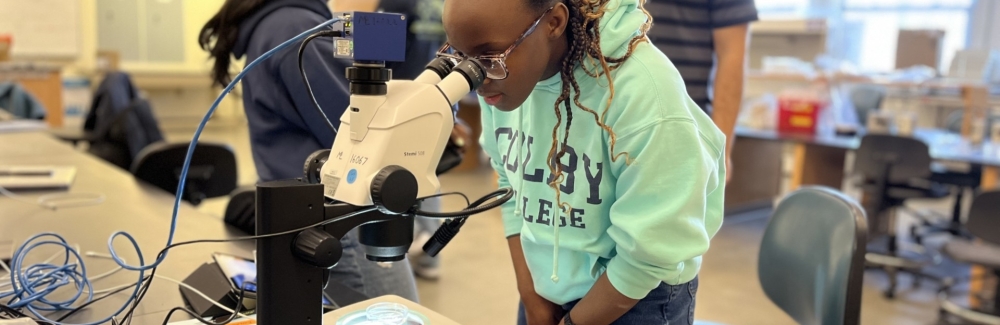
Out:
{"x": 492, "y": 28}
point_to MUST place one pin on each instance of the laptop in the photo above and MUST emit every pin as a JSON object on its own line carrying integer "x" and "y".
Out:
{"x": 36, "y": 177}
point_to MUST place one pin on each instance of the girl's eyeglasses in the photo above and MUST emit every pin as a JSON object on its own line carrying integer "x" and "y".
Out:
{"x": 495, "y": 64}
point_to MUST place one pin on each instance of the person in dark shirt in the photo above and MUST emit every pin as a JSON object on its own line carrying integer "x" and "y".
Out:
{"x": 284, "y": 126}
{"x": 701, "y": 37}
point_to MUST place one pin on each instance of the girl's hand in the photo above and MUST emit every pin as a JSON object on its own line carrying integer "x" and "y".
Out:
{"x": 539, "y": 311}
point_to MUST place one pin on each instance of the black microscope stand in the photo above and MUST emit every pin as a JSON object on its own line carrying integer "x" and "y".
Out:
{"x": 290, "y": 286}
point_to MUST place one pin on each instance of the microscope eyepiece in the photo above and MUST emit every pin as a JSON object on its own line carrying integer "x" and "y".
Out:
{"x": 441, "y": 66}
{"x": 473, "y": 71}
{"x": 465, "y": 77}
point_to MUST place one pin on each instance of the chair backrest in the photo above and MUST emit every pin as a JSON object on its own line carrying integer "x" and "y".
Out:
{"x": 866, "y": 98}
{"x": 115, "y": 93}
{"x": 907, "y": 158}
{"x": 812, "y": 257}
{"x": 984, "y": 217}
{"x": 241, "y": 209}
{"x": 123, "y": 136}
{"x": 19, "y": 102}
{"x": 212, "y": 172}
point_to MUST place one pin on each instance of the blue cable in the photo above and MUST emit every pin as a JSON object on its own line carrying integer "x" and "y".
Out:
{"x": 31, "y": 285}
{"x": 194, "y": 142}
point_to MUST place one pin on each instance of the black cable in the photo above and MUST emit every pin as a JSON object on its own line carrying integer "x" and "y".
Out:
{"x": 142, "y": 291}
{"x": 278, "y": 234}
{"x": 305, "y": 80}
{"x": 450, "y": 228}
{"x": 10, "y": 313}
{"x": 466, "y": 197}
{"x": 85, "y": 305}
{"x": 239, "y": 305}
{"x": 127, "y": 319}
{"x": 474, "y": 208}
{"x": 503, "y": 195}
{"x": 13, "y": 313}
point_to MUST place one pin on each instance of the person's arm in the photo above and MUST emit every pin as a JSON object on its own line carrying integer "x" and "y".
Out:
{"x": 603, "y": 304}
{"x": 661, "y": 218}
{"x": 730, "y": 21}
{"x": 730, "y": 48}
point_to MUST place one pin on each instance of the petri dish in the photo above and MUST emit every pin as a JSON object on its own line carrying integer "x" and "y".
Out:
{"x": 384, "y": 314}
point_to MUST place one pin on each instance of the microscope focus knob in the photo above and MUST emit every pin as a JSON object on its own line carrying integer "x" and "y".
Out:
{"x": 318, "y": 248}
{"x": 394, "y": 190}
{"x": 313, "y": 169}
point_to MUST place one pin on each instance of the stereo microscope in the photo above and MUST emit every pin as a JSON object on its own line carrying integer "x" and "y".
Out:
{"x": 385, "y": 158}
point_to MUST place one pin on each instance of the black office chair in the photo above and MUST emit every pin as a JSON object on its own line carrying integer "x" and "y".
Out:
{"x": 120, "y": 140}
{"x": 894, "y": 170}
{"x": 240, "y": 211}
{"x": 811, "y": 262}
{"x": 212, "y": 172}
{"x": 120, "y": 122}
{"x": 984, "y": 224}
{"x": 961, "y": 182}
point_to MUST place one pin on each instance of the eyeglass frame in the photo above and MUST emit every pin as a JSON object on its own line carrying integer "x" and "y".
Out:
{"x": 498, "y": 58}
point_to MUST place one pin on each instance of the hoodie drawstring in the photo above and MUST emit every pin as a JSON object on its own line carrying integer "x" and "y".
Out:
{"x": 518, "y": 206}
{"x": 520, "y": 182}
{"x": 555, "y": 245}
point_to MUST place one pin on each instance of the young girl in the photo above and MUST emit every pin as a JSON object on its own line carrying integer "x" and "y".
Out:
{"x": 618, "y": 174}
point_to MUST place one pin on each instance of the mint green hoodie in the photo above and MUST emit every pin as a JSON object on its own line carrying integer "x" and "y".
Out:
{"x": 642, "y": 223}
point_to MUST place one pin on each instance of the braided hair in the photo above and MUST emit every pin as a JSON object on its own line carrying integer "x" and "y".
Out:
{"x": 584, "y": 40}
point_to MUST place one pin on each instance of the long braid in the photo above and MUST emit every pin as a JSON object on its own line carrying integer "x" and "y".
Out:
{"x": 584, "y": 40}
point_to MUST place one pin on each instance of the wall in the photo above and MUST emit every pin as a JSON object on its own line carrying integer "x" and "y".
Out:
{"x": 180, "y": 92}
{"x": 86, "y": 62}
{"x": 984, "y": 29}
{"x": 196, "y": 13}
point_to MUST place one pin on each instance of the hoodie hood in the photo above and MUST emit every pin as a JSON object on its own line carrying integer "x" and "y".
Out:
{"x": 248, "y": 25}
{"x": 622, "y": 21}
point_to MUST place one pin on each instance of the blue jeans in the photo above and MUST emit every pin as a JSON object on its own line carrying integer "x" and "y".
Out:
{"x": 369, "y": 278}
{"x": 665, "y": 305}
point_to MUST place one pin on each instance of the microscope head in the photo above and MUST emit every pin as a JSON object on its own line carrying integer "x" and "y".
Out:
{"x": 392, "y": 137}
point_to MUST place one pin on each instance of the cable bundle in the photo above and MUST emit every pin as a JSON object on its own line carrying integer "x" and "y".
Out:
{"x": 32, "y": 284}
